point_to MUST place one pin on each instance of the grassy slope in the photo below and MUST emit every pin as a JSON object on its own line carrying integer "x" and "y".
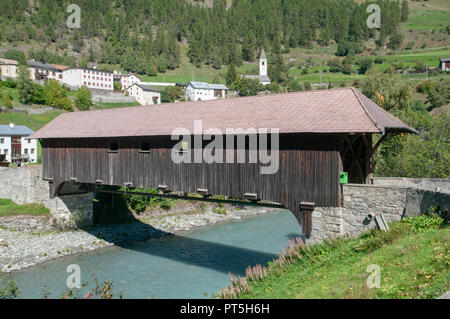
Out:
{"x": 34, "y": 122}
{"x": 9, "y": 208}
{"x": 411, "y": 267}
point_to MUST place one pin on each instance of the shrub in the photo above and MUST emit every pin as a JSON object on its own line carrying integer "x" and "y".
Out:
{"x": 8, "y": 288}
{"x": 7, "y": 102}
{"x": 364, "y": 65}
{"x": 10, "y": 83}
{"x": 410, "y": 45}
{"x": 335, "y": 65}
{"x": 167, "y": 203}
{"x": 423, "y": 223}
{"x": 138, "y": 203}
{"x": 420, "y": 67}
{"x": 83, "y": 99}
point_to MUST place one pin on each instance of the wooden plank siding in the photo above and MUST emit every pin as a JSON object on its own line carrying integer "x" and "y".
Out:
{"x": 308, "y": 169}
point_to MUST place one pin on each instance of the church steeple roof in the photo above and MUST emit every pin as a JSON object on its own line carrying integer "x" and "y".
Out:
{"x": 263, "y": 54}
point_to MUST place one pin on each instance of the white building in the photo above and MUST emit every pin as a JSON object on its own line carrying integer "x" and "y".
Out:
{"x": 145, "y": 94}
{"x": 91, "y": 78}
{"x": 127, "y": 80}
{"x": 202, "y": 91}
{"x": 8, "y": 68}
{"x": 14, "y": 145}
{"x": 262, "y": 77}
{"x": 44, "y": 71}
{"x": 445, "y": 64}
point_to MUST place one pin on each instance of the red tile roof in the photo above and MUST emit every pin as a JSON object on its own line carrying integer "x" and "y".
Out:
{"x": 60, "y": 67}
{"x": 343, "y": 110}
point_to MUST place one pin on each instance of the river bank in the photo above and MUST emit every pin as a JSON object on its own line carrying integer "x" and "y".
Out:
{"x": 28, "y": 241}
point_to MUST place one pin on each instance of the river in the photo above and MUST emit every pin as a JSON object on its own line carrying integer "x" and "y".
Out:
{"x": 192, "y": 264}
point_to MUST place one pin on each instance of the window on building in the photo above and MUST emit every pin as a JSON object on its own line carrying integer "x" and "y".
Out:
{"x": 2, "y": 140}
{"x": 5, "y": 152}
{"x": 32, "y": 151}
{"x": 145, "y": 147}
{"x": 114, "y": 147}
{"x": 26, "y": 151}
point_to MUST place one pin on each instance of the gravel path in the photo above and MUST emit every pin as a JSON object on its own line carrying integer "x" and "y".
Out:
{"x": 27, "y": 241}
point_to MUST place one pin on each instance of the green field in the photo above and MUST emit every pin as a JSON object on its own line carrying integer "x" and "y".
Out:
{"x": 413, "y": 258}
{"x": 428, "y": 19}
{"x": 9, "y": 208}
{"x": 33, "y": 122}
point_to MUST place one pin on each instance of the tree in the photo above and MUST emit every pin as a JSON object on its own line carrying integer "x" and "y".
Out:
{"x": 83, "y": 99}
{"x": 396, "y": 41}
{"x": 294, "y": 86}
{"x": 171, "y": 94}
{"x": 17, "y": 55}
{"x": 405, "y": 11}
{"x": 38, "y": 94}
{"x": 386, "y": 89}
{"x": 335, "y": 65}
{"x": 278, "y": 70}
{"x": 7, "y": 102}
{"x": 231, "y": 76}
{"x": 248, "y": 87}
{"x": 423, "y": 155}
{"x": 25, "y": 86}
{"x": 364, "y": 65}
{"x": 248, "y": 47}
{"x": 55, "y": 96}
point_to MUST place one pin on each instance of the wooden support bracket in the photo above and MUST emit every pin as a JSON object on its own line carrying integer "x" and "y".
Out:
{"x": 306, "y": 209}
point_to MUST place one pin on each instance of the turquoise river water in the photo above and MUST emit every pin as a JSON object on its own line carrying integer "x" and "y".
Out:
{"x": 192, "y": 264}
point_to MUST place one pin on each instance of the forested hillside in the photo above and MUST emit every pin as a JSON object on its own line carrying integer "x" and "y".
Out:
{"x": 144, "y": 36}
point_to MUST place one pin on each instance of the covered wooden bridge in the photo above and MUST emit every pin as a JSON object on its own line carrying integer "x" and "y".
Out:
{"x": 321, "y": 135}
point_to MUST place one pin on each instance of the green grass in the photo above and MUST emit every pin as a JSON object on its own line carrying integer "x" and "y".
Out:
{"x": 9, "y": 208}
{"x": 413, "y": 264}
{"x": 34, "y": 122}
{"x": 13, "y": 93}
{"x": 428, "y": 19}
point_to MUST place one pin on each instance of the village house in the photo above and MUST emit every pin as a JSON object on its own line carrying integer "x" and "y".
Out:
{"x": 202, "y": 91}
{"x": 76, "y": 77}
{"x": 127, "y": 80}
{"x": 44, "y": 71}
{"x": 145, "y": 94}
{"x": 8, "y": 68}
{"x": 14, "y": 145}
{"x": 445, "y": 64}
{"x": 262, "y": 77}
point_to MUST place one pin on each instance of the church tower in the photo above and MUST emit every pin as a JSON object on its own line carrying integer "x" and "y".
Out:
{"x": 263, "y": 64}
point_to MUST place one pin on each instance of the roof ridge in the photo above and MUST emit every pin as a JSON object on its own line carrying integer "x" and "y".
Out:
{"x": 212, "y": 101}
{"x": 365, "y": 109}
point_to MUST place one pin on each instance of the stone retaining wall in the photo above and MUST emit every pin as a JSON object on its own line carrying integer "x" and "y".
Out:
{"x": 111, "y": 97}
{"x": 433, "y": 184}
{"x": 360, "y": 201}
{"x": 24, "y": 185}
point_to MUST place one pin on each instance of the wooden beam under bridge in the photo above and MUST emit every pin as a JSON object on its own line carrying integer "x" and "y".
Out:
{"x": 201, "y": 199}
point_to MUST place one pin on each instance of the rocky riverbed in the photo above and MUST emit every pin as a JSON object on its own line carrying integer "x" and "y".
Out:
{"x": 28, "y": 241}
